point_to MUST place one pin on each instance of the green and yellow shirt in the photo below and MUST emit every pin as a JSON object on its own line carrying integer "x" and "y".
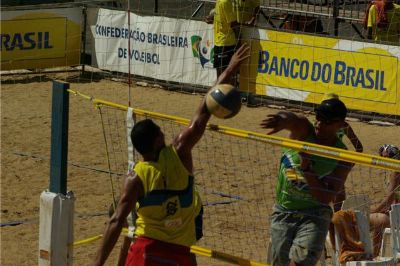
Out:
{"x": 293, "y": 192}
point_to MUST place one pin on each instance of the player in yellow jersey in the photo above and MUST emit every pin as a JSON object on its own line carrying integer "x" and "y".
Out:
{"x": 161, "y": 189}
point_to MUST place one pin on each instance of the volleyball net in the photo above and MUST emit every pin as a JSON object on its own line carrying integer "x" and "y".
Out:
{"x": 236, "y": 173}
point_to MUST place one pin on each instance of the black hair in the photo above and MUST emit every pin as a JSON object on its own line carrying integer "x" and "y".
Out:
{"x": 143, "y": 135}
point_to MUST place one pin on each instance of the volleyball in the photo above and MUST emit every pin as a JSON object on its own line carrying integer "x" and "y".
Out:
{"x": 223, "y": 101}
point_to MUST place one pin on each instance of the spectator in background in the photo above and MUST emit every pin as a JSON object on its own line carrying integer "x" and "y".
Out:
{"x": 225, "y": 38}
{"x": 379, "y": 217}
{"x": 247, "y": 11}
{"x": 247, "y": 14}
{"x": 382, "y": 21}
{"x": 303, "y": 24}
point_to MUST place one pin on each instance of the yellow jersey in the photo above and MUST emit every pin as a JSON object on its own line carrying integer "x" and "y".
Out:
{"x": 223, "y": 17}
{"x": 170, "y": 204}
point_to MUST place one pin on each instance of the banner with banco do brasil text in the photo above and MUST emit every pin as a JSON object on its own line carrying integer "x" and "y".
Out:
{"x": 306, "y": 68}
{"x": 40, "y": 38}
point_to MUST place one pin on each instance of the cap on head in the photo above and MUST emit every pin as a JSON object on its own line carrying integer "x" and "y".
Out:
{"x": 143, "y": 135}
{"x": 332, "y": 109}
{"x": 330, "y": 96}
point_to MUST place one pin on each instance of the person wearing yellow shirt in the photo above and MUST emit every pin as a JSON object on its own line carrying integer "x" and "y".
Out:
{"x": 383, "y": 21}
{"x": 225, "y": 38}
{"x": 161, "y": 190}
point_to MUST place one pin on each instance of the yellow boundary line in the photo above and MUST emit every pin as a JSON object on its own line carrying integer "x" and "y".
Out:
{"x": 315, "y": 149}
{"x": 193, "y": 249}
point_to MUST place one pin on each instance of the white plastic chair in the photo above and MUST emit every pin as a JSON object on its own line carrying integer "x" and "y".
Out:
{"x": 391, "y": 242}
{"x": 395, "y": 228}
{"x": 360, "y": 204}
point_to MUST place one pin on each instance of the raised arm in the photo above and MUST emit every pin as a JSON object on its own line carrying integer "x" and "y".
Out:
{"x": 186, "y": 140}
{"x": 348, "y": 130}
{"x": 133, "y": 190}
{"x": 298, "y": 125}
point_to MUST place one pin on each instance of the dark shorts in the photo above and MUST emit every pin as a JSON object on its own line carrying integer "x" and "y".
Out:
{"x": 150, "y": 252}
{"x": 222, "y": 56}
{"x": 299, "y": 235}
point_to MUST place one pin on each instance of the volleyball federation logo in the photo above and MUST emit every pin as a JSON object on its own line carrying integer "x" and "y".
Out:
{"x": 202, "y": 50}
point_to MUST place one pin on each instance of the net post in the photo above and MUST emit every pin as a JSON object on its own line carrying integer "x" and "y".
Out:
{"x": 59, "y": 138}
{"x": 56, "y": 204}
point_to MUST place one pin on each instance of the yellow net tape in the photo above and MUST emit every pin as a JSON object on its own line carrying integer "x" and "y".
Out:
{"x": 315, "y": 149}
{"x": 193, "y": 249}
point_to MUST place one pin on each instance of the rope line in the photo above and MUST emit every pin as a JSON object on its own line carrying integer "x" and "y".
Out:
{"x": 75, "y": 164}
{"x": 311, "y": 148}
{"x": 193, "y": 249}
{"x": 114, "y": 201}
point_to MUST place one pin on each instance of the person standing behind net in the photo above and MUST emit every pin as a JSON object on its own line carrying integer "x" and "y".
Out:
{"x": 347, "y": 131}
{"x": 225, "y": 38}
{"x": 382, "y": 21}
{"x": 306, "y": 184}
{"x": 379, "y": 215}
{"x": 162, "y": 190}
{"x": 247, "y": 11}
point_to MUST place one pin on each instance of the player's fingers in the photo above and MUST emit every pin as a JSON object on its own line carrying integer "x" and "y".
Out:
{"x": 272, "y": 131}
{"x": 243, "y": 49}
{"x": 267, "y": 124}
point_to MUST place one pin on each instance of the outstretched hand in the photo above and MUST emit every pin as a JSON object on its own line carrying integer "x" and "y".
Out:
{"x": 274, "y": 122}
{"x": 238, "y": 57}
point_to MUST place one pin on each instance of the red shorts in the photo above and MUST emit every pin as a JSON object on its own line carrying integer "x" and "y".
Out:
{"x": 150, "y": 252}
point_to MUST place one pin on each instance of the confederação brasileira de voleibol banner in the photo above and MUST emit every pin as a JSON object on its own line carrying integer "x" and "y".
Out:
{"x": 305, "y": 68}
{"x": 162, "y": 48}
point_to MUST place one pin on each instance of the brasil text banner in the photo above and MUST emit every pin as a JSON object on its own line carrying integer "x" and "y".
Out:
{"x": 40, "y": 38}
{"x": 306, "y": 68}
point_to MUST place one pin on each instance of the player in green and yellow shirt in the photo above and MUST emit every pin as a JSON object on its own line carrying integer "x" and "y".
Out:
{"x": 307, "y": 184}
